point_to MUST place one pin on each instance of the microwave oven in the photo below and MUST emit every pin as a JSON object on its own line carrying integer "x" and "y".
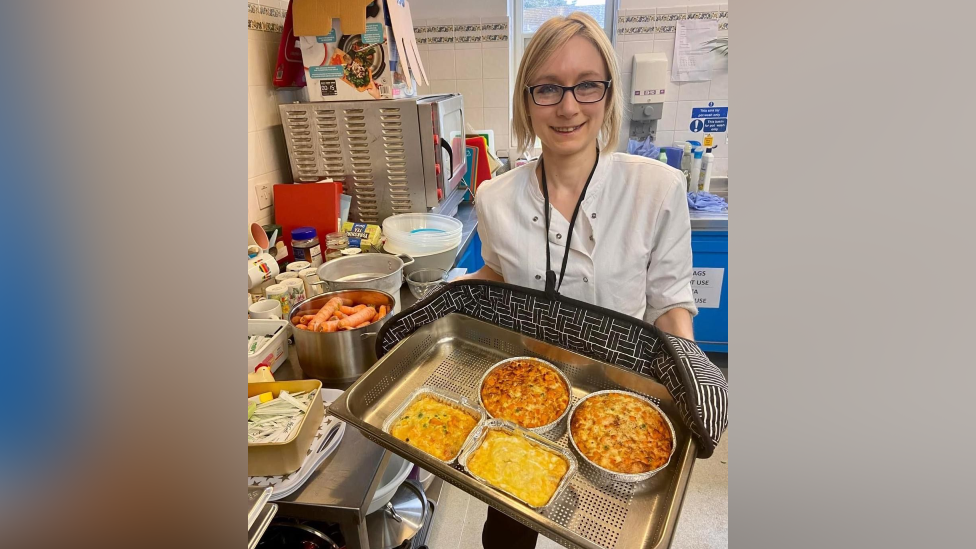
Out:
{"x": 393, "y": 156}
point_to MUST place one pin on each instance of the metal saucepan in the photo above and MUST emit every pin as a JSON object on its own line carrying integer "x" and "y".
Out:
{"x": 395, "y": 525}
{"x": 339, "y": 357}
{"x": 373, "y": 271}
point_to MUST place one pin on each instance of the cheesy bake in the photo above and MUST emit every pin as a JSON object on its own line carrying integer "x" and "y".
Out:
{"x": 511, "y": 463}
{"x": 434, "y": 427}
{"x": 621, "y": 433}
{"x": 525, "y": 392}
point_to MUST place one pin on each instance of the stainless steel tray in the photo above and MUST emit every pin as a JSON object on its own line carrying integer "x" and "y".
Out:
{"x": 453, "y": 353}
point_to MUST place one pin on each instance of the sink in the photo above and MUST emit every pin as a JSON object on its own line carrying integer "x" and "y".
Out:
{"x": 719, "y": 186}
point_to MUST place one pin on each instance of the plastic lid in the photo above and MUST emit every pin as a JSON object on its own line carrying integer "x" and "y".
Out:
{"x": 695, "y": 143}
{"x": 698, "y": 153}
{"x": 708, "y": 150}
{"x": 303, "y": 233}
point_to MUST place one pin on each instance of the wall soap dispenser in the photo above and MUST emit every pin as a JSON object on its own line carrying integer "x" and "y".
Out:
{"x": 650, "y": 76}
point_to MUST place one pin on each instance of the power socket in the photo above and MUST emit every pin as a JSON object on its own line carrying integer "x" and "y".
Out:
{"x": 264, "y": 196}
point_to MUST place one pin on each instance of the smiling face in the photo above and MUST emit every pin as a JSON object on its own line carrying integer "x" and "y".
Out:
{"x": 569, "y": 127}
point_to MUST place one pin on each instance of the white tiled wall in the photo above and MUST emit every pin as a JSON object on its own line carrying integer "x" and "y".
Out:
{"x": 267, "y": 156}
{"x": 470, "y": 55}
{"x": 655, "y": 20}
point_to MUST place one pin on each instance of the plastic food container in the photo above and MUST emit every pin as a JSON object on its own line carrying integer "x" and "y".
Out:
{"x": 277, "y": 346}
{"x": 420, "y": 233}
{"x": 446, "y": 397}
{"x": 553, "y": 429}
{"x": 606, "y": 474}
{"x": 280, "y": 458}
{"x": 478, "y": 437}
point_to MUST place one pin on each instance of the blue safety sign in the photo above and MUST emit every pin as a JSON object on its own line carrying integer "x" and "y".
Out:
{"x": 710, "y": 112}
{"x": 697, "y": 125}
{"x": 716, "y": 124}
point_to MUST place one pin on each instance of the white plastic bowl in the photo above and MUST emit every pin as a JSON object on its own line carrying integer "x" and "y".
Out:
{"x": 440, "y": 260}
{"x": 396, "y": 472}
{"x": 423, "y": 229}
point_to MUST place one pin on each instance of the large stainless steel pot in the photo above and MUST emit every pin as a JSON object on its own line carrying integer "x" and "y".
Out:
{"x": 339, "y": 357}
{"x": 372, "y": 271}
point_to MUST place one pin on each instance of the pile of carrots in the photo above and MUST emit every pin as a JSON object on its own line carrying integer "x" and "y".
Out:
{"x": 339, "y": 314}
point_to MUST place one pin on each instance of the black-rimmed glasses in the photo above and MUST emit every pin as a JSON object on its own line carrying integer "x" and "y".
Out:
{"x": 590, "y": 91}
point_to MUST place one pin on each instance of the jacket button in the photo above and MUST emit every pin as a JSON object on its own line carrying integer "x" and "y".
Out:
{"x": 534, "y": 219}
{"x": 538, "y": 277}
{"x": 586, "y": 279}
{"x": 593, "y": 215}
{"x": 558, "y": 236}
{"x": 591, "y": 238}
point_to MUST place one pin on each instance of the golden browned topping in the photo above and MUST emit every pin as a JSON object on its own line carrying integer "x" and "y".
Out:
{"x": 513, "y": 464}
{"x": 526, "y": 393}
{"x": 621, "y": 433}
{"x": 434, "y": 427}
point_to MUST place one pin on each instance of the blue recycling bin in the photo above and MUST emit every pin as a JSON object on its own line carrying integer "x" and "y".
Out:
{"x": 710, "y": 285}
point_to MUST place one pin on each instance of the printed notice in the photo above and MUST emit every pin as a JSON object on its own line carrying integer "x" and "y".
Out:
{"x": 706, "y": 286}
{"x": 692, "y": 56}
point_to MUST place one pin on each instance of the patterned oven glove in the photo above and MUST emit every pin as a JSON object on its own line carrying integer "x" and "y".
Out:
{"x": 698, "y": 387}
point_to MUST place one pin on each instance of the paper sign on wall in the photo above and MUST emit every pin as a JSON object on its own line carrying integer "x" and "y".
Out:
{"x": 692, "y": 59}
{"x": 706, "y": 286}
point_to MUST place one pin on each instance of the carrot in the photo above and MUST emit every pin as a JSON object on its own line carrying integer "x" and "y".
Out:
{"x": 296, "y": 320}
{"x": 301, "y": 327}
{"x": 355, "y": 320}
{"x": 346, "y": 301}
{"x": 364, "y": 324}
{"x": 380, "y": 314}
{"x": 325, "y": 313}
{"x": 339, "y": 314}
{"x": 306, "y": 319}
{"x": 330, "y": 326}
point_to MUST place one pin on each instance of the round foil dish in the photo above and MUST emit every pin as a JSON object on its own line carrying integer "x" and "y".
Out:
{"x": 607, "y": 474}
{"x": 555, "y": 427}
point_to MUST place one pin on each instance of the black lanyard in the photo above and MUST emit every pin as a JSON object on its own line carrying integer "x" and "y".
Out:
{"x": 552, "y": 288}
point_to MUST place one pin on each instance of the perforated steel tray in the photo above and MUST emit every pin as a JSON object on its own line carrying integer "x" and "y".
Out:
{"x": 453, "y": 353}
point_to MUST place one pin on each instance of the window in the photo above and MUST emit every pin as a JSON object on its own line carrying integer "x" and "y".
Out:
{"x": 530, "y": 14}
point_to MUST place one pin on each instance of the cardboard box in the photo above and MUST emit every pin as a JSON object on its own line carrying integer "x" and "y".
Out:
{"x": 363, "y": 236}
{"x": 342, "y": 67}
{"x": 350, "y": 54}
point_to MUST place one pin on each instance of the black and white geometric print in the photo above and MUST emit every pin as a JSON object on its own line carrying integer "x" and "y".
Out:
{"x": 698, "y": 387}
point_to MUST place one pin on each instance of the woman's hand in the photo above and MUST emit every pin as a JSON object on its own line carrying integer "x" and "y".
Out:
{"x": 484, "y": 273}
{"x": 677, "y": 322}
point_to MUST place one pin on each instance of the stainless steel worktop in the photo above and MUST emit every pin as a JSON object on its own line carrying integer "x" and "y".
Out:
{"x": 710, "y": 221}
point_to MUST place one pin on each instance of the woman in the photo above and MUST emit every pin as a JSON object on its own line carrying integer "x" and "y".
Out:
{"x": 623, "y": 219}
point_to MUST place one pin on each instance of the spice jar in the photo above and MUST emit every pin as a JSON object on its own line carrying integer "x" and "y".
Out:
{"x": 305, "y": 245}
{"x": 335, "y": 243}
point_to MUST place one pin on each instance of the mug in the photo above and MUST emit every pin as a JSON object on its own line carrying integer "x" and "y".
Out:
{"x": 281, "y": 278}
{"x": 260, "y": 269}
{"x": 266, "y": 308}
{"x": 296, "y": 291}
{"x": 297, "y": 266}
{"x": 281, "y": 294}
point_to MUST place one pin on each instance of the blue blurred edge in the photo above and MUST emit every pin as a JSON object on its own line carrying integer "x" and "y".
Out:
{"x": 42, "y": 358}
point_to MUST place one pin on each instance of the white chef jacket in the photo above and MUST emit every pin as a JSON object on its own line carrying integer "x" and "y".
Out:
{"x": 631, "y": 245}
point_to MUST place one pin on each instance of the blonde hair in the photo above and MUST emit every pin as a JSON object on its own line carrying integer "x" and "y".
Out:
{"x": 551, "y": 36}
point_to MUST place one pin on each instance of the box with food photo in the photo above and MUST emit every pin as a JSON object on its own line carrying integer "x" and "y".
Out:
{"x": 342, "y": 67}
